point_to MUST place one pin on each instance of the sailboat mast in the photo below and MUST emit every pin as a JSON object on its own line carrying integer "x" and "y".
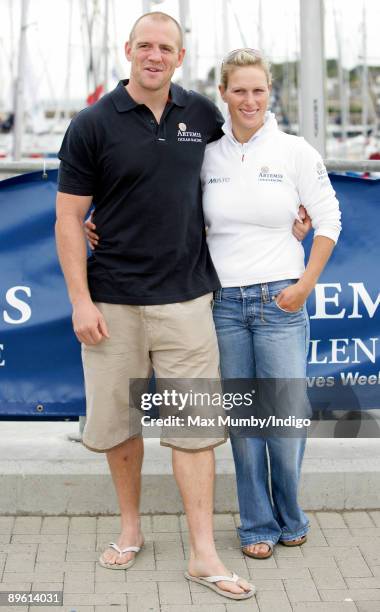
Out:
{"x": 19, "y": 101}
{"x": 364, "y": 77}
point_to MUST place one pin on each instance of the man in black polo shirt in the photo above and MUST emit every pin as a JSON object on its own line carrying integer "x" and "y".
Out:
{"x": 144, "y": 297}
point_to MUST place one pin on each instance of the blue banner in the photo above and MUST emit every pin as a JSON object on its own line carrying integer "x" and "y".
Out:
{"x": 40, "y": 366}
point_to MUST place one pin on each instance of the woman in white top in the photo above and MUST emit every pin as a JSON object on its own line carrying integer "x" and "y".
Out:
{"x": 254, "y": 179}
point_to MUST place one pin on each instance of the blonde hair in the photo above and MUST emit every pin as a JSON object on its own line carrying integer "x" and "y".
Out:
{"x": 157, "y": 16}
{"x": 244, "y": 57}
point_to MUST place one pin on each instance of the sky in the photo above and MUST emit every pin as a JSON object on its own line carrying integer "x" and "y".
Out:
{"x": 51, "y": 34}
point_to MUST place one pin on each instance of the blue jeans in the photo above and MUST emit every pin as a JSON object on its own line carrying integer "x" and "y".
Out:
{"x": 258, "y": 339}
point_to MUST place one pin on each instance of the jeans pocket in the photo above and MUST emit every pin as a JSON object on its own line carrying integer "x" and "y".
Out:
{"x": 290, "y": 312}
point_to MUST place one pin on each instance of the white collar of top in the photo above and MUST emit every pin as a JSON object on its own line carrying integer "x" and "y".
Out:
{"x": 270, "y": 125}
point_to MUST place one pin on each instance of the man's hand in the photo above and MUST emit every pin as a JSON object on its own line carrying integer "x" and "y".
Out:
{"x": 88, "y": 322}
{"x": 292, "y": 298}
{"x": 89, "y": 229}
{"x": 303, "y": 227}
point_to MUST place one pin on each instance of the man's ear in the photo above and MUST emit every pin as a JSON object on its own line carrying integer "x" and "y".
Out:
{"x": 222, "y": 91}
{"x": 181, "y": 56}
{"x": 128, "y": 50}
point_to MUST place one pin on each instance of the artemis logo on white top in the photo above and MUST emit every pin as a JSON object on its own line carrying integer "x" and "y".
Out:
{"x": 269, "y": 177}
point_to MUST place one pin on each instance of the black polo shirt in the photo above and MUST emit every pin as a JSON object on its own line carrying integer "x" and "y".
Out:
{"x": 144, "y": 179}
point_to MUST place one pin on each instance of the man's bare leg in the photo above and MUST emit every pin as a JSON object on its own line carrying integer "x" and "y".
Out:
{"x": 194, "y": 473}
{"x": 125, "y": 463}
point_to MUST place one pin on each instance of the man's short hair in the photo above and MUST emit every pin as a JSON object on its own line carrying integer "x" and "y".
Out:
{"x": 158, "y": 16}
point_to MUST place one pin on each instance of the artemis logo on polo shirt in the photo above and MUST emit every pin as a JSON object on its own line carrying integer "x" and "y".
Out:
{"x": 265, "y": 176}
{"x": 185, "y": 135}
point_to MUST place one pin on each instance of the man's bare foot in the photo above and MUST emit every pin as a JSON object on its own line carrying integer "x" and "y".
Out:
{"x": 128, "y": 537}
{"x": 213, "y": 566}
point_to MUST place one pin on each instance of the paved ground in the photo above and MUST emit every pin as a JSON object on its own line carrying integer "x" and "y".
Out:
{"x": 338, "y": 569}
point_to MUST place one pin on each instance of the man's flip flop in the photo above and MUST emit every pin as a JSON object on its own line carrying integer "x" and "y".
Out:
{"x": 262, "y": 555}
{"x": 209, "y": 581}
{"x": 297, "y": 542}
{"x": 120, "y": 566}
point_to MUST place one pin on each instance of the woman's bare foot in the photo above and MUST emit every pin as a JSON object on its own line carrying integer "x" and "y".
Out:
{"x": 260, "y": 550}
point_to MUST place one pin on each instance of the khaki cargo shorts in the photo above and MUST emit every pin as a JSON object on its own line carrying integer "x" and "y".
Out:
{"x": 177, "y": 341}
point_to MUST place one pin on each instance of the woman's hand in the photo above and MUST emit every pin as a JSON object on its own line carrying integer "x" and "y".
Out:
{"x": 292, "y": 298}
{"x": 89, "y": 230}
{"x": 303, "y": 227}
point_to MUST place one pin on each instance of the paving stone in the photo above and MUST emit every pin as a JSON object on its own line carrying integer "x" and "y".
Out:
{"x": 195, "y": 608}
{"x": 83, "y": 541}
{"x": 268, "y": 601}
{"x": 82, "y": 524}
{"x": 94, "y": 599}
{"x": 280, "y": 574}
{"x": 9, "y": 577}
{"x": 157, "y": 576}
{"x": 174, "y": 592}
{"x": 371, "y": 551}
{"x": 169, "y": 536}
{"x": 84, "y": 583}
{"x": 27, "y": 524}
{"x": 36, "y": 538}
{"x": 365, "y": 532}
{"x": 165, "y": 522}
{"x": 363, "y": 583}
{"x": 83, "y": 555}
{"x": 5, "y": 538}
{"x": 67, "y": 566}
{"x": 55, "y": 524}
{"x": 311, "y": 561}
{"x": 47, "y": 586}
{"x": 354, "y": 594}
{"x": 313, "y": 521}
{"x": 267, "y": 585}
{"x": 327, "y": 578}
{"x": 146, "y": 524}
{"x": 375, "y": 570}
{"x": 332, "y": 520}
{"x": 323, "y": 606}
{"x": 223, "y": 522}
{"x": 21, "y": 561}
{"x": 108, "y": 524}
{"x": 367, "y": 606}
{"x": 315, "y": 537}
{"x": 111, "y": 587}
{"x": 270, "y": 563}
{"x": 245, "y": 604}
{"x": 168, "y": 550}
{"x": 357, "y": 519}
{"x": 15, "y": 586}
{"x": 6, "y": 524}
{"x": 226, "y": 539}
{"x": 374, "y": 514}
{"x": 171, "y": 564}
{"x": 301, "y": 590}
{"x": 354, "y": 568}
{"x": 46, "y": 553}
{"x": 281, "y": 552}
{"x": 143, "y": 603}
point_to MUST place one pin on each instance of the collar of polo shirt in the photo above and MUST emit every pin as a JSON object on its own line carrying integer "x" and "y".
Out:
{"x": 123, "y": 101}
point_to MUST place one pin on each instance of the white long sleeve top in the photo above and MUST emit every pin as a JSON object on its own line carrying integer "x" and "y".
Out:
{"x": 251, "y": 196}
